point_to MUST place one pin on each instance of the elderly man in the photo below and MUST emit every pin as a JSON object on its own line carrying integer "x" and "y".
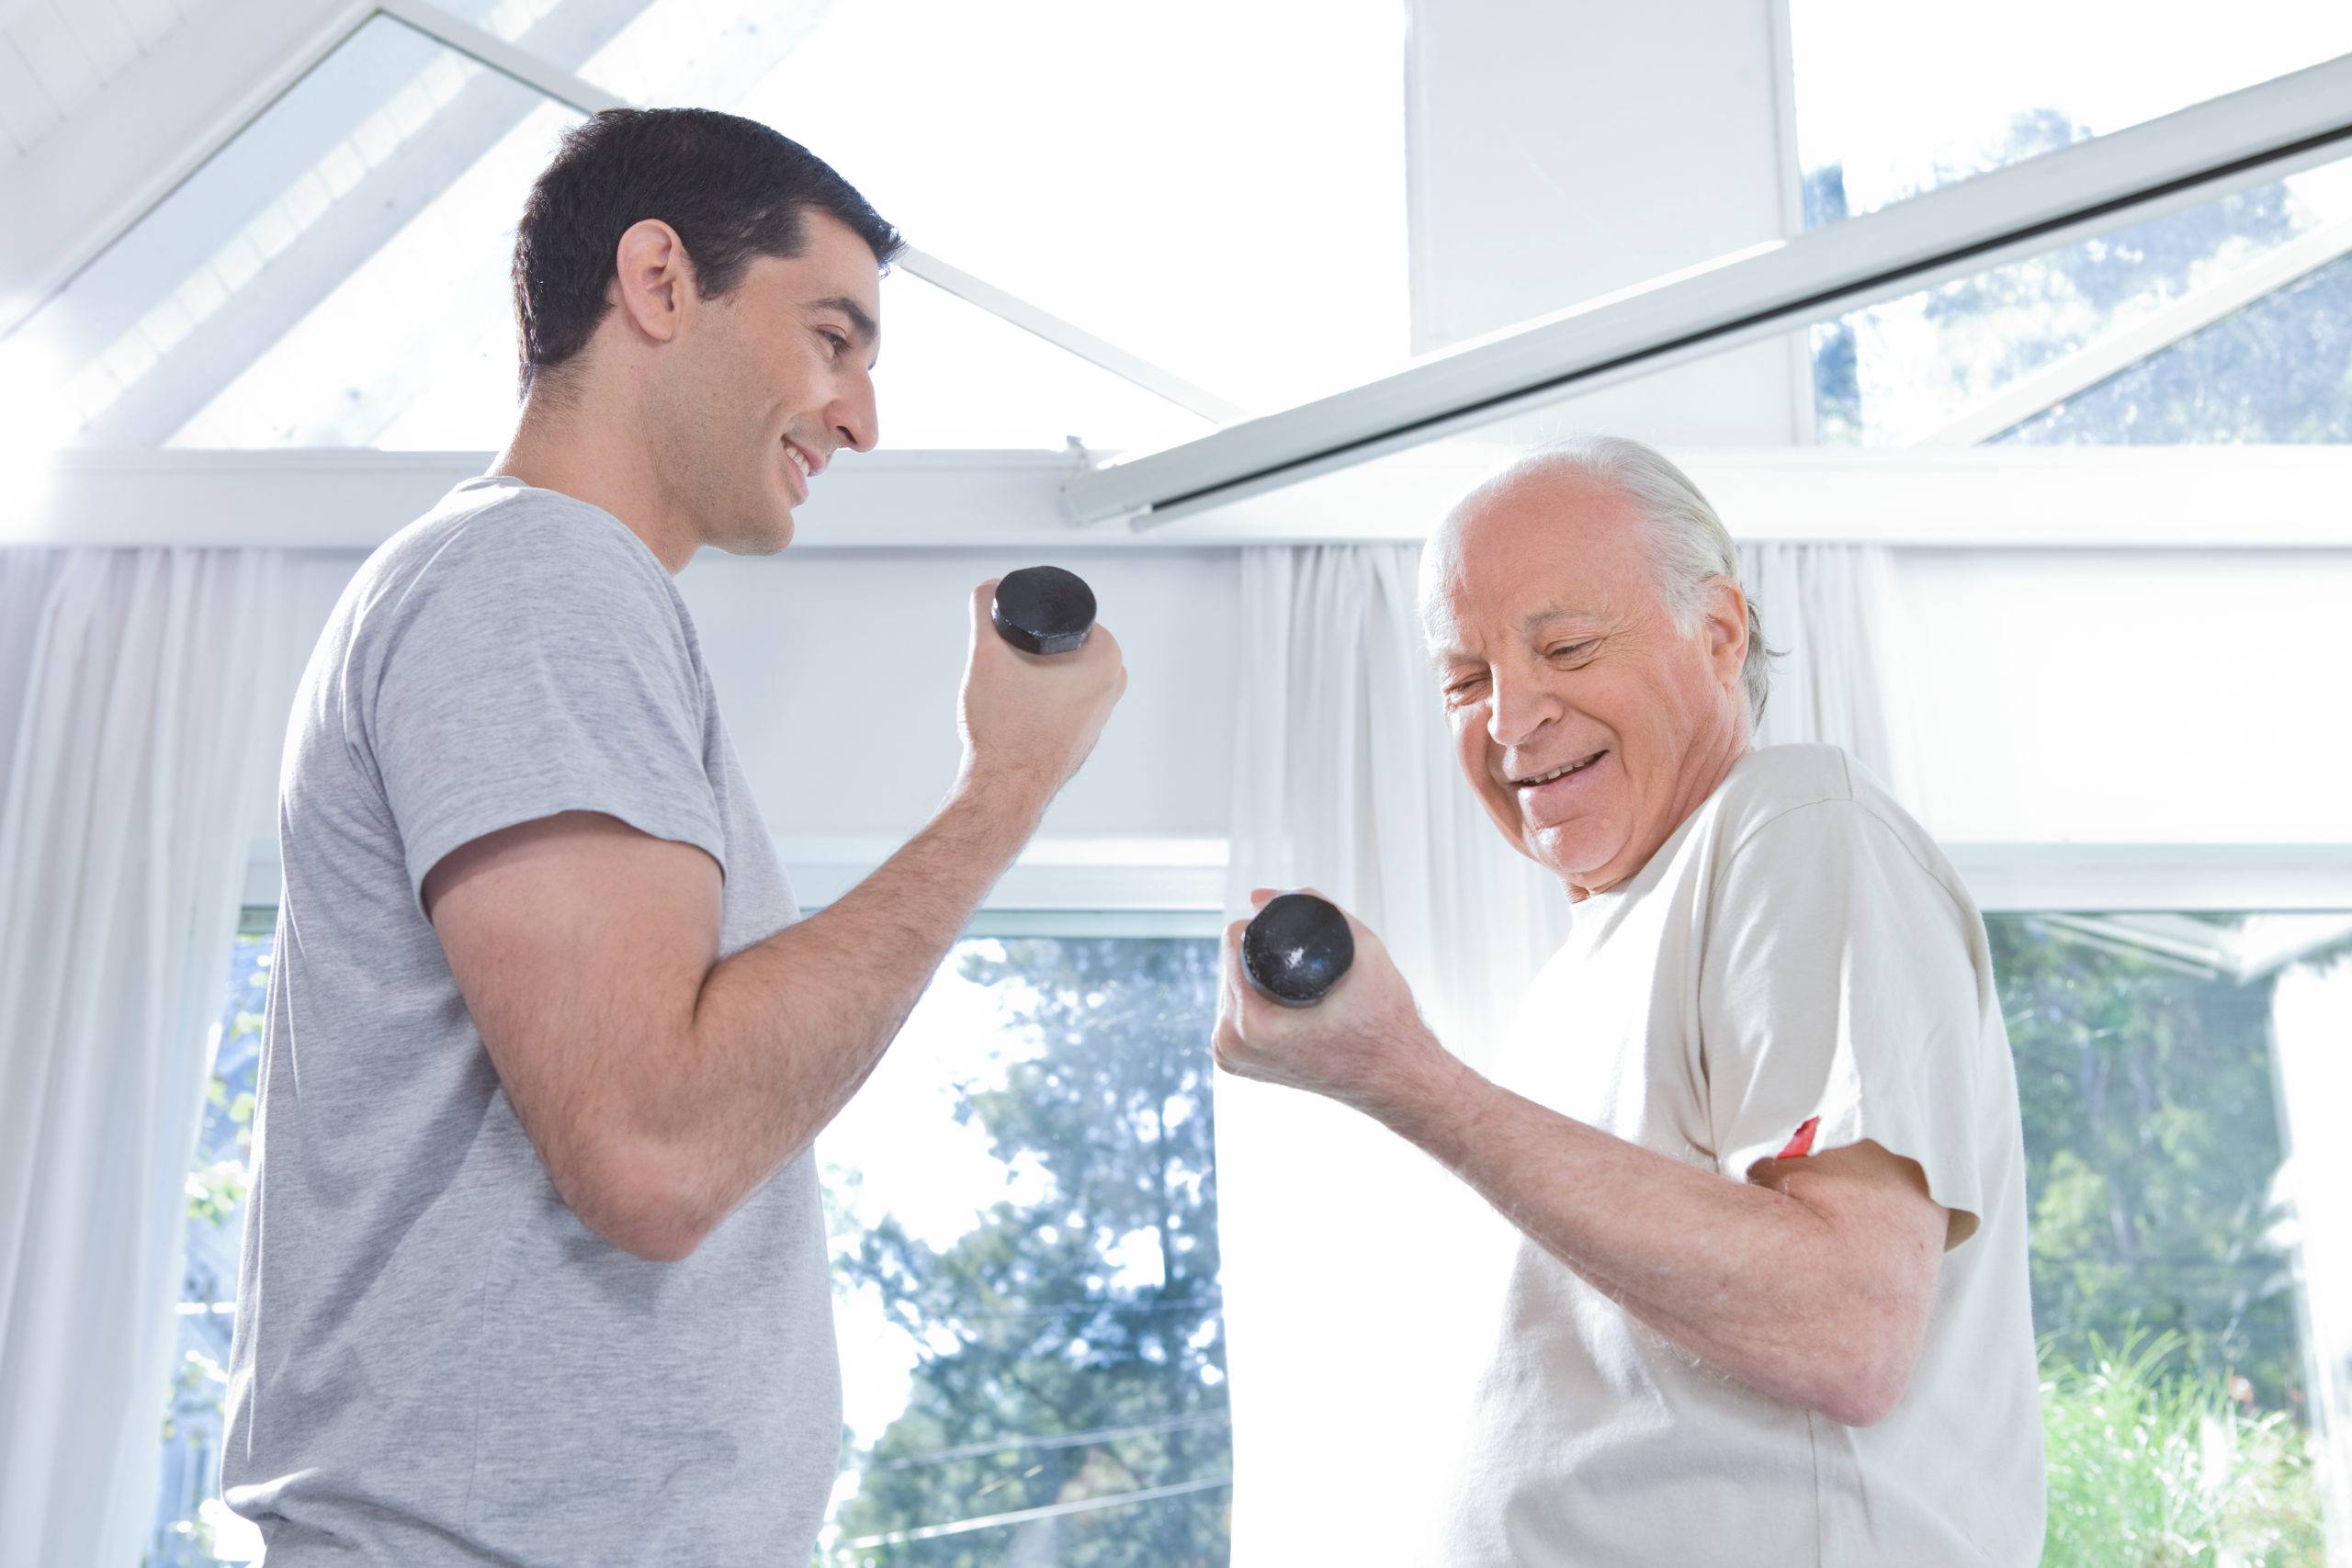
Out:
{"x": 1757, "y": 1122}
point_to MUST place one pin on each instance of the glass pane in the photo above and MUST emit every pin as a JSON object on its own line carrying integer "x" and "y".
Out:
{"x": 1900, "y": 373}
{"x": 1249, "y": 238}
{"x": 1893, "y": 100}
{"x": 191, "y": 1525}
{"x": 2278, "y": 371}
{"x": 2166, "y": 1230}
{"x": 416, "y": 348}
{"x": 330, "y": 207}
{"x": 952, "y": 374}
{"x": 1025, "y": 1258}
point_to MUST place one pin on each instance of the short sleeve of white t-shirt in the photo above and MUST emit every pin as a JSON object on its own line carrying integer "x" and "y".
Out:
{"x": 1837, "y": 985}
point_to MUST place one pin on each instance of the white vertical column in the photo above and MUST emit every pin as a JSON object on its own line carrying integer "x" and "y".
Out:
{"x": 1557, "y": 153}
{"x": 2311, "y": 1013}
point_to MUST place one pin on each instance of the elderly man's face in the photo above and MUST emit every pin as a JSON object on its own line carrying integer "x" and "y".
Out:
{"x": 1557, "y": 652}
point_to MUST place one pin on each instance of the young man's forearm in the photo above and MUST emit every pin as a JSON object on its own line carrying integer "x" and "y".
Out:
{"x": 1754, "y": 1281}
{"x": 783, "y": 1032}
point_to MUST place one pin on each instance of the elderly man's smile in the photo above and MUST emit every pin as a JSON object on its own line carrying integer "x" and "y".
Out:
{"x": 1544, "y": 794}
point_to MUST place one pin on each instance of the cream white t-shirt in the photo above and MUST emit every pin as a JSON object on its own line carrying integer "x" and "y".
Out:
{"x": 1798, "y": 949}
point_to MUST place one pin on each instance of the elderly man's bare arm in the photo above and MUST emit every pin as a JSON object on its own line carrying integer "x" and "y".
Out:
{"x": 1810, "y": 1281}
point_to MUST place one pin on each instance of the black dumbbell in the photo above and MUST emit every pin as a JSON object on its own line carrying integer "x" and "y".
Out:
{"x": 1296, "y": 948}
{"x": 1043, "y": 609}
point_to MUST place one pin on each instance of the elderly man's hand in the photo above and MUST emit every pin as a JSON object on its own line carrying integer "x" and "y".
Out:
{"x": 1363, "y": 1044}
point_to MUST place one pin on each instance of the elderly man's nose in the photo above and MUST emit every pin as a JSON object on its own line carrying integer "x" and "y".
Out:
{"x": 1515, "y": 713}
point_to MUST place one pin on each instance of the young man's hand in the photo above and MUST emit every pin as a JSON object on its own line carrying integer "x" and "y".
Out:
{"x": 1030, "y": 719}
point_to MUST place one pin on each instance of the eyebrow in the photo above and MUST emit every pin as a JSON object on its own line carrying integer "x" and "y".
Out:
{"x": 868, "y": 334}
{"x": 1535, "y": 619}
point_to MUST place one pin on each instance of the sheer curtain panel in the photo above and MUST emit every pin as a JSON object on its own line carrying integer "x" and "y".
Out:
{"x": 137, "y": 722}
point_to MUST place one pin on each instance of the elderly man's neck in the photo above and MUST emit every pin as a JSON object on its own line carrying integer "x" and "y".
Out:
{"x": 1704, "y": 767}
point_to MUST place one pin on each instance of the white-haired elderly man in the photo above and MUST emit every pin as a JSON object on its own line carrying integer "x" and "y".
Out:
{"x": 1757, "y": 1122}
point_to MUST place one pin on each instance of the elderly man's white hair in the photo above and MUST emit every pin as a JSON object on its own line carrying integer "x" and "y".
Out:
{"x": 1689, "y": 545}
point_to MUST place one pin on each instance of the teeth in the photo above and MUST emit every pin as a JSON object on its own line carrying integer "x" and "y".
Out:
{"x": 798, "y": 460}
{"x": 1558, "y": 772}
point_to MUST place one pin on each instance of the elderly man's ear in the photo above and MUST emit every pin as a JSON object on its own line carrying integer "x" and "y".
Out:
{"x": 1727, "y": 627}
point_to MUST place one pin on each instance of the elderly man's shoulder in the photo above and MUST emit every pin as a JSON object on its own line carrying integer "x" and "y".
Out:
{"x": 1819, "y": 804}
{"x": 1774, "y": 781}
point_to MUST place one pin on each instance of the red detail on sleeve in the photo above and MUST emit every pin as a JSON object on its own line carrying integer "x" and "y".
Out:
{"x": 1802, "y": 1144}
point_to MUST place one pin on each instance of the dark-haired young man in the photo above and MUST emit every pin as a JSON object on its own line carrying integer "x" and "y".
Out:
{"x": 535, "y": 1266}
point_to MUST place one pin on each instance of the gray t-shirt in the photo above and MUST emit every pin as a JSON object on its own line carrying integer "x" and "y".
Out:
{"x": 435, "y": 1362}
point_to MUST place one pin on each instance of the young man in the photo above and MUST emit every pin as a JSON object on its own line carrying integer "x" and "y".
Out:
{"x": 534, "y": 1269}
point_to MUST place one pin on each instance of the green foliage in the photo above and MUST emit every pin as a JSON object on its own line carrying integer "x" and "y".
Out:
{"x": 2152, "y": 1139}
{"x": 2151, "y": 1466}
{"x": 1045, "y": 1328}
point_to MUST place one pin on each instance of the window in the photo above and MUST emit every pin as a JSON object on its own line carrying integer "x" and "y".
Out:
{"x": 1025, "y": 1231}
{"x": 2182, "y": 1242}
{"x": 192, "y": 1527}
{"x": 1023, "y": 1201}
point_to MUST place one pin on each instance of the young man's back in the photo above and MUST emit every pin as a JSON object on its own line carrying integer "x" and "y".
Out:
{"x": 438, "y": 1362}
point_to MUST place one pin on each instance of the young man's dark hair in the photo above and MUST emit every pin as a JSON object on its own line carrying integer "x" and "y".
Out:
{"x": 734, "y": 190}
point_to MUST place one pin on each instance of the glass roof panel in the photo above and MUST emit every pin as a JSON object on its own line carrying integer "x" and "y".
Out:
{"x": 1893, "y": 101}
{"x": 354, "y": 157}
{"x": 1253, "y": 243}
{"x": 1898, "y": 373}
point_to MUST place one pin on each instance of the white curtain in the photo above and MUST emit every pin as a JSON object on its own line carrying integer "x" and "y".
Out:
{"x": 1830, "y": 610}
{"x": 141, "y": 712}
{"x": 1349, "y": 1334}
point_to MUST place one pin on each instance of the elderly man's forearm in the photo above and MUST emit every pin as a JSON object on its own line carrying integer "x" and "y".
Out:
{"x": 1752, "y": 1281}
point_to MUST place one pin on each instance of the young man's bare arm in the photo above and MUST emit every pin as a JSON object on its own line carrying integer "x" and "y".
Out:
{"x": 663, "y": 1086}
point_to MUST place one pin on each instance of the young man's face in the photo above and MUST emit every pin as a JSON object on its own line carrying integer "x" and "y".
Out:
{"x": 778, "y": 377}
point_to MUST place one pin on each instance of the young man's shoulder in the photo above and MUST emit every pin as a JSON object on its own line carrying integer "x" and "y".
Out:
{"x": 489, "y": 543}
{"x": 486, "y": 525}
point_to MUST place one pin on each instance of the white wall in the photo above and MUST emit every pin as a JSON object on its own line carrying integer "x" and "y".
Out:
{"x": 2148, "y": 698}
{"x": 837, "y": 673}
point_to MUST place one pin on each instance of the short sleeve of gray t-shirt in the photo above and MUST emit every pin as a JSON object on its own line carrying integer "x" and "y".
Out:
{"x": 547, "y": 667}
{"x": 435, "y": 1362}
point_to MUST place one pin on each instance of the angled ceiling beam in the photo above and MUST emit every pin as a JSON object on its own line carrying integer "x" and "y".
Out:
{"x": 524, "y": 65}
{"x": 2196, "y": 155}
{"x": 2111, "y": 355}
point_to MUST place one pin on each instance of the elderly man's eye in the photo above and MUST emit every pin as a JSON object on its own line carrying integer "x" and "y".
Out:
{"x": 1571, "y": 649}
{"x": 1468, "y": 687}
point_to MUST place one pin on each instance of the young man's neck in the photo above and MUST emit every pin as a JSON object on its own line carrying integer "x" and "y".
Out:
{"x": 576, "y": 453}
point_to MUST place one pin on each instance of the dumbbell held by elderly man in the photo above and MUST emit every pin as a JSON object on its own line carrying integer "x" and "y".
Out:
{"x": 1296, "y": 948}
{"x": 1043, "y": 609}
